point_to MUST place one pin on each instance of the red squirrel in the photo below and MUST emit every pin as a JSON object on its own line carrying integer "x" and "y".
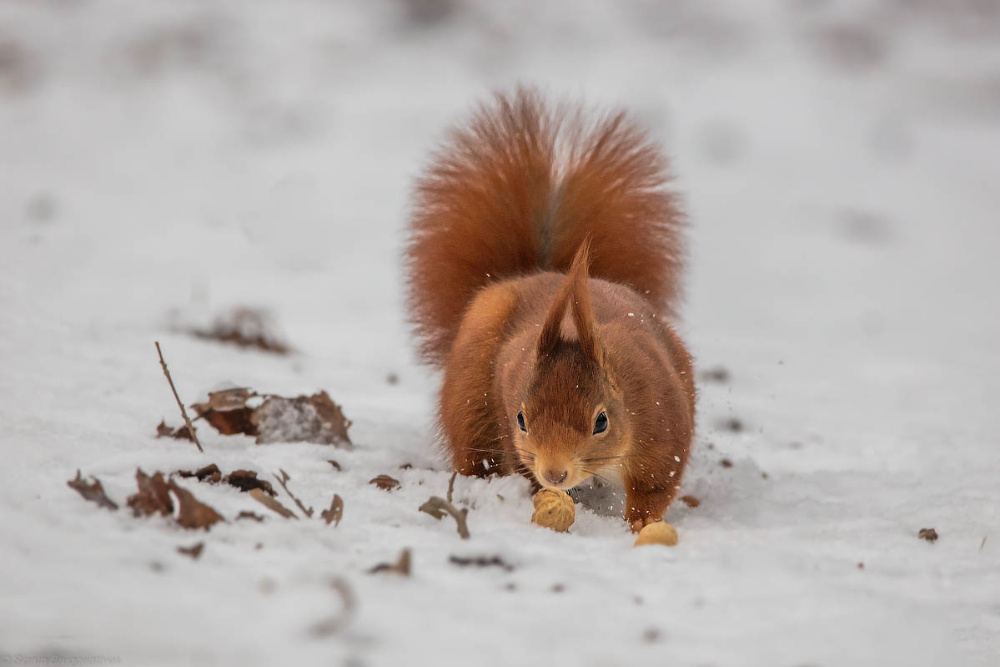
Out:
{"x": 544, "y": 261}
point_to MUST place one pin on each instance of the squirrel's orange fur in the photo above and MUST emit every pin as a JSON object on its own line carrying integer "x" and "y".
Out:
{"x": 544, "y": 263}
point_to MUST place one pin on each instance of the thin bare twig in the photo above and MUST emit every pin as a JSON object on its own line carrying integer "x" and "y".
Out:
{"x": 178, "y": 398}
{"x": 451, "y": 485}
{"x": 282, "y": 478}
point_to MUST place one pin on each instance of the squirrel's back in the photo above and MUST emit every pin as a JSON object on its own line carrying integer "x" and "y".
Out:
{"x": 518, "y": 189}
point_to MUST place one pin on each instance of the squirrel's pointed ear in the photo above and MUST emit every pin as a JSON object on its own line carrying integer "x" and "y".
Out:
{"x": 583, "y": 312}
{"x": 576, "y": 294}
{"x": 550, "y": 336}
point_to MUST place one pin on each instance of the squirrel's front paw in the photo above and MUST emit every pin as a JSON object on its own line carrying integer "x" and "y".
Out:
{"x": 638, "y": 524}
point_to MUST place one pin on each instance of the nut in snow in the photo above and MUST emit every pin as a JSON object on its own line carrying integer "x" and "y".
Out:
{"x": 554, "y": 509}
{"x": 659, "y": 532}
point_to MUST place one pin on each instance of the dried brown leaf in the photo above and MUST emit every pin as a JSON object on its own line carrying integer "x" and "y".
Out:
{"x": 247, "y": 328}
{"x": 385, "y": 483}
{"x": 153, "y": 496}
{"x": 481, "y": 561}
{"x": 690, "y": 501}
{"x": 194, "y": 551}
{"x": 272, "y": 504}
{"x": 245, "y": 480}
{"x": 93, "y": 491}
{"x": 928, "y": 534}
{"x": 193, "y": 513}
{"x": 336, "y": 511}
{"x": 336, "y": 466}
{"x": 209, "y": 473}
{"x": 313, "y": 418}
{"x": 401, "y": 566}
{"x": 250, "y": 515}
{"x": 179, "y": 433}
{"x": 227, "y": 411}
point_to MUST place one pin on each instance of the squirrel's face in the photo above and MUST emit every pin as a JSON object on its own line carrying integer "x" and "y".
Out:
{"x": 571, "y": 423}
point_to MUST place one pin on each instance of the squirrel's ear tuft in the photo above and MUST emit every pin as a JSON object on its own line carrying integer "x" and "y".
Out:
{"x": 583, "y": 311}
{"x": 576, "y": 294}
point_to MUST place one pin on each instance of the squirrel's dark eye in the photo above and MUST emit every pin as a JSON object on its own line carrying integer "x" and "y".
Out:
{"x": 601, "y": 423}
{"x": 520, "y": 422}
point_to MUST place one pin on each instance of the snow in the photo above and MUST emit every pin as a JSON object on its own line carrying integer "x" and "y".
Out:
{"x": 163, "y": 163}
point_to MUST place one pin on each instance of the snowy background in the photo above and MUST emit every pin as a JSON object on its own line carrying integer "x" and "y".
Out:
{"x": 163, "y": 162}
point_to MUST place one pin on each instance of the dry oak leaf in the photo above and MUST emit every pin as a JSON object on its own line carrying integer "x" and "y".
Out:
{"x": 385, "y": 483}
{"x": 153, "y": 496}
{"x": 928, "y": 534}
{"x": 313, "y": 418}
{"x": 193, "y": 513}
{"x": 194, "y": 551}
{"x": 244, "y": 327}
{"x": 246, "y": 480}
{"x": 94, "y": 491}
{"x": 209, "y": 473}
{"x": 227, "y": 411}
{"x": 335, "y": 513}
{"x": 179, "y": 433}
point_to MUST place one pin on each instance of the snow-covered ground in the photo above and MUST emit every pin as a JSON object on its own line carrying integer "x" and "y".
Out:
{"x": 163, "y": 162}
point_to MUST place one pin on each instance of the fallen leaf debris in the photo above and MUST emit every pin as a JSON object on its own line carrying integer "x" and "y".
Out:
{"x": 481, "y": 561}
{"x": 193, "y": 513}
{"x": 928, "y": 534}
{"x": 402, "y": 566}
{"x": 385, "y": 483}
{"x": 194, "y": 551}
{"x": 152, "y": 497}
{"x": 335, "y": 513}
{"x": 93, "y": 491}
{"x": 179, "y": 433}
{"x": 272, "y": 419}
{"x": 247, "y": 328}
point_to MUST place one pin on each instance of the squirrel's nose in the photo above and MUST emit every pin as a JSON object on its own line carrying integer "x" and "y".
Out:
{"x": 555, "y": 476}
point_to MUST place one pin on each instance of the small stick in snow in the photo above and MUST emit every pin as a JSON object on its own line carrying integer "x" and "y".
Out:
{"x": 336, "y": 623}
{"x": 184, "y": 413}
{"x": 282, "y": 478}
{"x": 983, "y": 543}
{"x": 437, "y": 507}
{"x": 401, "y": 566}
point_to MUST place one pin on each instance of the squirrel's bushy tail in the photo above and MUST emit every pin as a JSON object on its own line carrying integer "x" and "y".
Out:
{"x": 518, "y": 189}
